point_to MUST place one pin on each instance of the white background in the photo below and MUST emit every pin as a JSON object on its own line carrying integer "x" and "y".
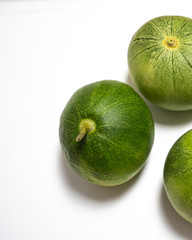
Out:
{"x": 49, "y": 49}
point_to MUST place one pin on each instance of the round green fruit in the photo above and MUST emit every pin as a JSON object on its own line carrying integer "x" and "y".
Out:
{"x": 160, "y": 62}
{"x": 178, "y": 176}
{"x": 106, "y": 132}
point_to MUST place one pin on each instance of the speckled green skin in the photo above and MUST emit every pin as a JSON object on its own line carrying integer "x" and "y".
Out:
{"x": 178, "y": 176}
{"x": 163, "y": 75}
{"x": 122, "y": 140}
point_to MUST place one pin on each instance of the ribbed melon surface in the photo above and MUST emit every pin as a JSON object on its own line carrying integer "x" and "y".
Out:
{"x": 160, "y": 61}
{"x": 178, "y": 176}
{"x": 120, "y": 137}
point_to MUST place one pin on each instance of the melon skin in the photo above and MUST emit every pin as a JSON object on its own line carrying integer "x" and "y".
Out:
{"x": 162, "y": 74}
{"x": 177, "y": 176}
{"x": 124, "y": 134}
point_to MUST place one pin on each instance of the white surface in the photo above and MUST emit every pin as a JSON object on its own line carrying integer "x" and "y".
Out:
{"x": 48, "y": 49}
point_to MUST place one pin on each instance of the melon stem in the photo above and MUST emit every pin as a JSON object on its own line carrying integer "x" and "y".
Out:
{"x": 171, "y": 42}
{"x": 81, "y": 135}
{"x": 86, "y": 126}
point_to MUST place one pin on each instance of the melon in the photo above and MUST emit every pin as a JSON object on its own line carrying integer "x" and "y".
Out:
{"x": 178, "y": 176}
{"x": 106, "y": 132}
{"x": 160, "y": 62}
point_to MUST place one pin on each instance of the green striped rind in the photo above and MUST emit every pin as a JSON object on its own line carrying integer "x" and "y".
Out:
{"x": 178, "y": 176}
{"x": 163, "y": 75}
{"x": 123, "y": 137}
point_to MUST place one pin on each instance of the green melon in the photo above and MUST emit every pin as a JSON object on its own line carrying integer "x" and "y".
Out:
{"x": 178, "y": 176}
{"x": 160, "y": 61}
{"x": 106, "y": 132}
